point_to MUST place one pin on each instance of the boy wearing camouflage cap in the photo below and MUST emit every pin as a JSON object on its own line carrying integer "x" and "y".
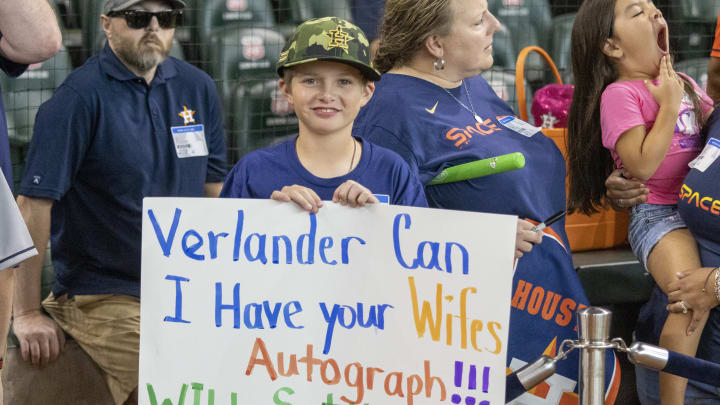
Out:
{"x": 326, "y": 74}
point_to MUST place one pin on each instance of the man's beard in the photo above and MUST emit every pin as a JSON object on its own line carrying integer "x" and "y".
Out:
{"x": 140, "y": 55}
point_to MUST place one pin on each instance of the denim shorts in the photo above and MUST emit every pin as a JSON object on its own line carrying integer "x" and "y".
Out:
{"x": 648, "y": 224}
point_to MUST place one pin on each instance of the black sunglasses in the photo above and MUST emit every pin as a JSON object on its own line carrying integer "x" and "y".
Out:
{"x": 137, "y": 19}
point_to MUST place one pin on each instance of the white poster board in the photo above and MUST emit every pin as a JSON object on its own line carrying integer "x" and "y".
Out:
{"x": 257, "y": 302}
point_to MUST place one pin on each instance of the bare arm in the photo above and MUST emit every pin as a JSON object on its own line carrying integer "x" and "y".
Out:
{"x": 30, "y": 31}
{"x": 41, "y": 339}
{"x": 6, "y": 288}
{"x": 213, "y": 189}
{"x": 713, "y": 84}
{"x": 641, "y": 152}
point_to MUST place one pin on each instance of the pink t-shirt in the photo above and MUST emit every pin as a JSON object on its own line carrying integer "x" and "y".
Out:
{"x": 626, "y": 105}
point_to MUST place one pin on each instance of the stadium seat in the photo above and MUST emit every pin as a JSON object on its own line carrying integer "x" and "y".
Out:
{"x": 560, "y": 44}
{"x": 261, "y": 116}
{"x": 241, "y": 53}
{"x": 176, "y": 51}
{"x": 695, "y": 68}
{"x": 616, "y": 283}
{"x": 91, "y": 28}
{"x": 690, "y": 39}
{"x": 692, "y": 27}
{"x": 184, "y": 32}
{"x": 68, "y": 21}
{"x": 331, "y": 8}
{"x": 702, "y": 10}
{"x": 67, "y": 12}
{"x": 503, "y": 82}
{"x": 530, "y": 24}
{"x": 215, "y": 14}
{"x": 291, "y": 13}
{"x": 504, "y": 52}
{"x": 23, "y": 96}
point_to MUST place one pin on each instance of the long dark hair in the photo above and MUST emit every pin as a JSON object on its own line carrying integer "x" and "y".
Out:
{"x": 589, "y": 162}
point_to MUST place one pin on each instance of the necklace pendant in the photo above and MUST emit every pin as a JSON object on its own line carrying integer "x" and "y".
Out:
{"x": 478, "y": 119}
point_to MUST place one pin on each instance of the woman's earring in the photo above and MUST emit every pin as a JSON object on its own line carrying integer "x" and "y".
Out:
{"x": 439, "y": 64}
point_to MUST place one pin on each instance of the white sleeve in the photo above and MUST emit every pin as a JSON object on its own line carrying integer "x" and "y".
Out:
{"x": 15, "y": 242}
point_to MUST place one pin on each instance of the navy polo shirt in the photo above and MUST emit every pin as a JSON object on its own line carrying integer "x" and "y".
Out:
{"x": 101, "y": 144}
{"x": 12, "y": 69}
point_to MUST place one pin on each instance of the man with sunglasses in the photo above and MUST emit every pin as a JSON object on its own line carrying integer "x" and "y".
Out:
{"x": 130, "y": 123}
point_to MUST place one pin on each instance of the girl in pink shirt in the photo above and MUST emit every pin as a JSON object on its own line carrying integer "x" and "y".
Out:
{"x": 632, "y": 110}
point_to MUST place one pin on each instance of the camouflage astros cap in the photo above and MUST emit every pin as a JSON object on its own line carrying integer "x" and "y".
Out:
{"x": 328, "y": 38}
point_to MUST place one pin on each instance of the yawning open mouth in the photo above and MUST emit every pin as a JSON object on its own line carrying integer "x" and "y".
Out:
{"x": 662, "y": 39}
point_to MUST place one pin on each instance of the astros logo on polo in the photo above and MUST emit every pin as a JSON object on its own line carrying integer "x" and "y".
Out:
{"x": 187, "y": 116}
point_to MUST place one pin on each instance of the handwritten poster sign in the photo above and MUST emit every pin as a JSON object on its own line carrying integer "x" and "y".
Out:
{"x": 257, "y": 302}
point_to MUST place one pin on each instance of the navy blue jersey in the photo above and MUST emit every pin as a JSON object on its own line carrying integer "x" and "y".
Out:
{"x": 699, "y": 203}
{"x": 432, "y": 130}
{"x": 103, "y": 142}
{"x": 263, "y": 171}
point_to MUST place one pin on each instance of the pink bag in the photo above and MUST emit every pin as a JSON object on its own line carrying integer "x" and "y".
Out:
{"x": 551, "y": 105}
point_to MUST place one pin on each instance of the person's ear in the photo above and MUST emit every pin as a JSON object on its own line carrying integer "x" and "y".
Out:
{"x": 105, "y": 24}
{"x": 285, "y": 90}
{"x": 611, "y": 49}
{"x": 368, "y": 91}
{"x": 434, "y": 45}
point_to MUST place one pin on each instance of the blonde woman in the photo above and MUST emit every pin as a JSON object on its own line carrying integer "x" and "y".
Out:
{"x": 434, "y": 109}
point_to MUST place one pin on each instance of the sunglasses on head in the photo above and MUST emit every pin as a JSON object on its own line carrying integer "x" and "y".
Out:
{"x": 137, "y": 19}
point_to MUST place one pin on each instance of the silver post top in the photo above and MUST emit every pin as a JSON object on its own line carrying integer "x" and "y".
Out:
{"x": 648, "y": 356}
{"x": 536, "y": 372}
{"x": 594, "y": 324}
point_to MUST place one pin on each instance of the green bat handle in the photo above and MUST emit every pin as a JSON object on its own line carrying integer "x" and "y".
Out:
{"x": 480, "y": 168}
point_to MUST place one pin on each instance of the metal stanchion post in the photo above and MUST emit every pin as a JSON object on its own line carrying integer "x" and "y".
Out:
{"x": 593, "y": 339}
{"x": 593, "y": 334}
